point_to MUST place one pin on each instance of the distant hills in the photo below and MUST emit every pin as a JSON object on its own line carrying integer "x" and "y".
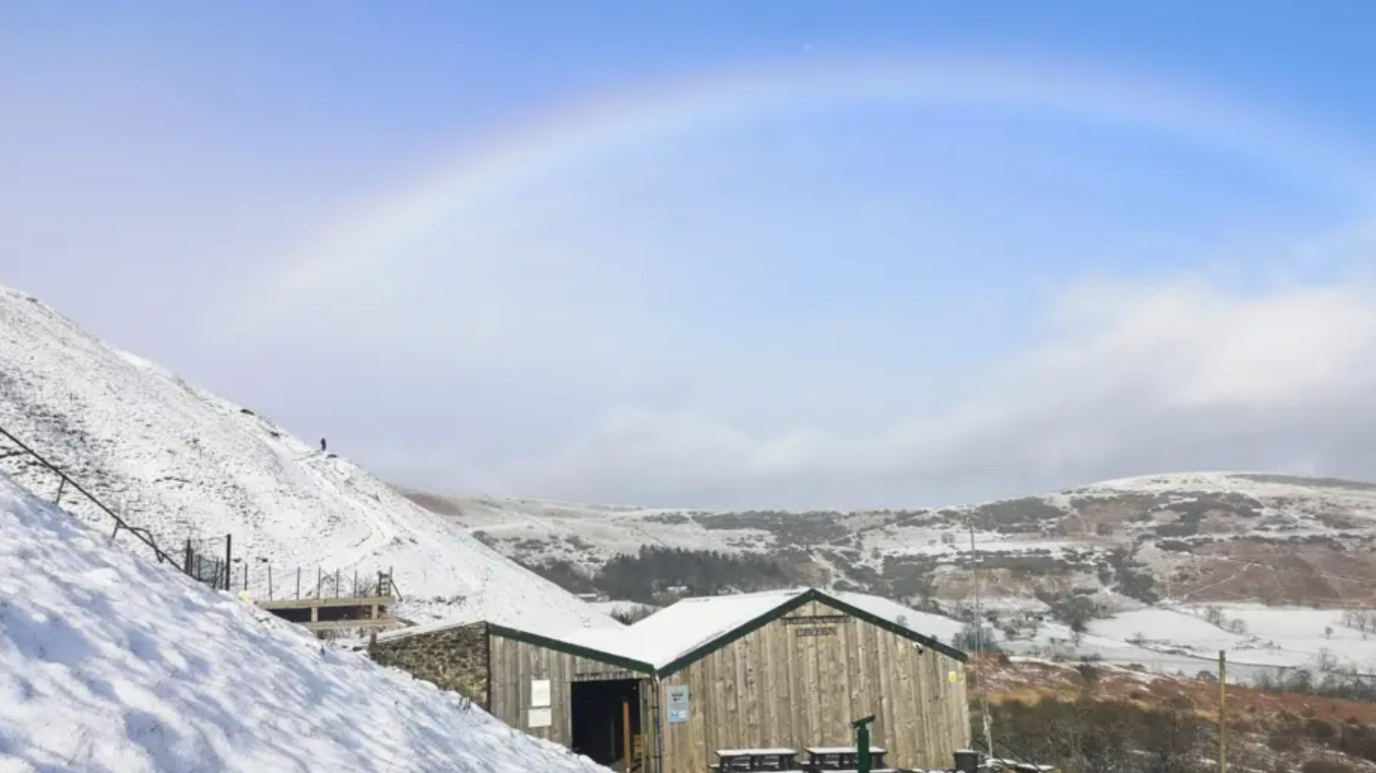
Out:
{"x": 1188, "y": 538}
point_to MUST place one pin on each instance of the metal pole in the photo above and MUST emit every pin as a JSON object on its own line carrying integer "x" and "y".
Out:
{"x": 862, "y": 743}
{"x": 1222, "y": 712}
{"x": 61, "y": 484}
{"x": 229, "y": 554}
{"x": 657, "y": 721}
{"x": 245, "y": 577}
{"x": 319, "y": 582}
{"x": 336, "y": 582}
{"x": 269, "y": 582}
{"x": 298, "y": 583}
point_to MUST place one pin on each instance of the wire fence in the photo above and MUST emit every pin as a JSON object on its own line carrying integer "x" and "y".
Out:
{"x": 258, "y": 578}
{"x": 190, "y": 562}
{"x": 208, "y": 560}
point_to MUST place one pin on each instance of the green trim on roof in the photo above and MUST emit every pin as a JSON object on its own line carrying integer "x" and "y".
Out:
{"x": 731, "y": 636}
{"x": 576, "y": 650}
{"x": 810, "y": 595}
{"x": 895, "y": 628}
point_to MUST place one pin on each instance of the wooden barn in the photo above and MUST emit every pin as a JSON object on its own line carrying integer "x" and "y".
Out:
{"x": 764, "y": 671}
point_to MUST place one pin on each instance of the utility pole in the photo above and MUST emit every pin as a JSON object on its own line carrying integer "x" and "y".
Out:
{"x": 979, "y": 645}
{"x": 1222, "y": 712}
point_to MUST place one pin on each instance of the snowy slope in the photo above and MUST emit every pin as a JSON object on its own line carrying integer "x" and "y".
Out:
{"x": 111, "y": 664}
{"x": 186, "y": 464}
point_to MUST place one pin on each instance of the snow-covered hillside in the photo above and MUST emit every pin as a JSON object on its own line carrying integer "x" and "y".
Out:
{"x": 112, "y": 664}
{"x": 183, "y": 463}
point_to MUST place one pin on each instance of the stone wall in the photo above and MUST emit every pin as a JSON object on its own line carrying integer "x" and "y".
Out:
{"x": 454, "y": 659}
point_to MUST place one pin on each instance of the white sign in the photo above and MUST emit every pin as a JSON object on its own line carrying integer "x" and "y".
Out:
{"x": 539, "y": 693}
{"x": 540, "y": 718}
{"x": 678, "y": 703}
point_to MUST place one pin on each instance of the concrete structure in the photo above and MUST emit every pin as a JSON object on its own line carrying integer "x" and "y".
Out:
{"x": 778, "y": 669}
{"x": 333, "y": 614}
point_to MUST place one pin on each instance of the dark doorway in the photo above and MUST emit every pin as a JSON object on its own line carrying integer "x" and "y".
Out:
{"x": 601, "y": 712}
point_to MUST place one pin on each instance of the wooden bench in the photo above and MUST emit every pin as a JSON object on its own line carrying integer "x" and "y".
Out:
{"x": 731, "y": 760}
{"x": 841, "y": 758}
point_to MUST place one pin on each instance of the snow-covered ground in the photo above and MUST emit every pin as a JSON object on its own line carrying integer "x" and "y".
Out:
{"x": 184, "y": 463}
{"x": 1187, "y": 639}
{"x": 112, "y": 664}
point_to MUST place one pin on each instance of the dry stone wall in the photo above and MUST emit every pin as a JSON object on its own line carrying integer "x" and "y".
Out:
{"x": 453, "y": 659}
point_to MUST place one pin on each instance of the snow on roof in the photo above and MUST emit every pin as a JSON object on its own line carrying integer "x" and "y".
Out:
{"x": 677, "y": 630}
{"x": 684, "y": 626}
{"x": 937, "y": 627}
{"x": 111, "y": 662}
{"x": 184, "y": 463}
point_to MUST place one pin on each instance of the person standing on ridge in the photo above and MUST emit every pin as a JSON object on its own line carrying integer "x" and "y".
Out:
{"x": 322, "y": 445}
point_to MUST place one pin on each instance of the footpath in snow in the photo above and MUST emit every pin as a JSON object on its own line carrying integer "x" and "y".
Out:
{"x": 110, "y": 663}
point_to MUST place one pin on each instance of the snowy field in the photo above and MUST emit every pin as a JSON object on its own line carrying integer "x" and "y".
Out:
{"x": 184, "y": 463}
{"x": 112, "y": 664}
{"x": 1187, "y": 638}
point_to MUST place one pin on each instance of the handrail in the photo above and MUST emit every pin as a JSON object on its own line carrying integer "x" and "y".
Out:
{"x": 143, "y": 534}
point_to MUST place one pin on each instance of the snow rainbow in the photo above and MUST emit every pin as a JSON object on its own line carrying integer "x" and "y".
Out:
{"x": 380, "y": 231}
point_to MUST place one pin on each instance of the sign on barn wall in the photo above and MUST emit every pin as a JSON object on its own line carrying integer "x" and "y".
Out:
{"x": 540, "y": 718}
{"x": 539, "y": 693}
{"x": 815, "y": 625}
{"x": 677, "y": 703}
{"x": 816, "y": 619}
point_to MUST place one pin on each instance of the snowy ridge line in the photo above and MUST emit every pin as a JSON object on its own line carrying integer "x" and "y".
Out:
{"x": 143, "y": 534}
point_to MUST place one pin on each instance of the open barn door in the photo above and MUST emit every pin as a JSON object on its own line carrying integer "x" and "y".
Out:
{"x": 606, "y": 721}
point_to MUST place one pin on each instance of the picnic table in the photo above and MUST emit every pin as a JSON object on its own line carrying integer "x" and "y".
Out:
{"x": 756, "y": 759}
{"x": 841, "y": 758}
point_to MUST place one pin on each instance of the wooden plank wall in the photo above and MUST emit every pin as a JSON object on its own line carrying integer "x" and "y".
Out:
{"x": 514, "y": 664}
{"x": 774, "y": 687}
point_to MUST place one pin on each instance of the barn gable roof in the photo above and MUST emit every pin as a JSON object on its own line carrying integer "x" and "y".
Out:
{"x": 874, "y": 610}
{"x": 691, "y": 629}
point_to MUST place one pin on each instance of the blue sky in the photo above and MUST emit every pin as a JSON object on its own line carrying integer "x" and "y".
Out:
{"x": 711, "y": 254}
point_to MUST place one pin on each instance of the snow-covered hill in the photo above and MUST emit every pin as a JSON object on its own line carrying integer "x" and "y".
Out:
{"x": 111, "y": 664}
{"x": 184, "y": 463}
{"x": 1185, "y": 538}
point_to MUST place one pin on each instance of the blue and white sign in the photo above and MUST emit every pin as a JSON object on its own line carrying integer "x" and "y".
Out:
{"x": 677, "y": 707}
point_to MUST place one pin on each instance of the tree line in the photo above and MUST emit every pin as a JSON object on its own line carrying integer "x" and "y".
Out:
{"x": 658, "y": 574}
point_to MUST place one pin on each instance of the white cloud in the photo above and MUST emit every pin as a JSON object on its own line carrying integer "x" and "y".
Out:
{"x": 1126, "y": 380}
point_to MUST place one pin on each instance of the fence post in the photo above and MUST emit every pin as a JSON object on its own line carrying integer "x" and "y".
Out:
{"x": 229, "y": 554}
{"x": 298, "y": 583}
{"x": 336, "y": 582}
{"x": 61, "y": 484}
{"x": 319, "y": 583}
{"x": 269, "y": 582}
{"x": 187, "y": 561}
{"x": 245, "y": 577}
